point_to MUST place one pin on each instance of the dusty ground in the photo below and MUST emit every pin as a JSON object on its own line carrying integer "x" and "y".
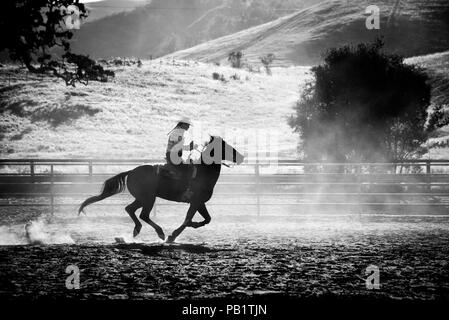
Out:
{"x": 235, "y": 256}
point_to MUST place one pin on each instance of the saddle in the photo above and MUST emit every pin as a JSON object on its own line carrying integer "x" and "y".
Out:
{"x": 185, "y": 172}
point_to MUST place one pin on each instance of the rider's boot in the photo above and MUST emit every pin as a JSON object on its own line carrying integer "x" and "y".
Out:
{"x": 187, "y": 194}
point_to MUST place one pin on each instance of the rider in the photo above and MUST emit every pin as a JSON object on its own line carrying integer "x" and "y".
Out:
{"x": 180, "y": 140}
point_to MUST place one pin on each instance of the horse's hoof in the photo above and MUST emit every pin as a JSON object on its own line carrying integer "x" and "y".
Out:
{"x": 170, "y": 239}
{"x": 161, "y": 235}
{"x": 136, "y": 231}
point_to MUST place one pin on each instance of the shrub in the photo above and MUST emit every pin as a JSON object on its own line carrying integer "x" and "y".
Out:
{"x": 235, "y": 58}
{"x": 365, "y": 105}
{"x": 217, "y": 76}
{"x": 267, "y": 61}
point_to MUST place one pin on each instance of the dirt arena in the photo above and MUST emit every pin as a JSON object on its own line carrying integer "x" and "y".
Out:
{"x": 236, "y": 256}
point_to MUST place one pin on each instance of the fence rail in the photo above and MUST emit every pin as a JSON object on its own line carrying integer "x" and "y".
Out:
{"x": 268, "y": 182}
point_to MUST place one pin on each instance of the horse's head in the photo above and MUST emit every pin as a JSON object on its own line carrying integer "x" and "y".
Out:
{"x": 218, "y": 150}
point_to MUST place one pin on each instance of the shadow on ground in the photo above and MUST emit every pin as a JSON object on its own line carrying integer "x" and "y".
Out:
{"x": 157, "y": 248}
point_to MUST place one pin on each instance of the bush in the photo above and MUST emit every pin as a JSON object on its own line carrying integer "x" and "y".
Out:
{"x": 267, "y": 61}
{"x": 217, "y": 76}
{"x": 365, "y": 105}
{"x": 235, "y": 58}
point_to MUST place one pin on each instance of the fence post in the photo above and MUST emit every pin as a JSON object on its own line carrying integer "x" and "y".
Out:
{"x": 52, "y": 196}
{"x": 32, "y": 170}
{"x": 257, "y": 172}
{"x": 360, "y": 180}
{"x": 429, "y": 176}
{"x": 90, "y": 170}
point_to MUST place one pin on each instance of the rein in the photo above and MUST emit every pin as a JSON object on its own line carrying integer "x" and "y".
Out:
{"x": 232, "y": 165}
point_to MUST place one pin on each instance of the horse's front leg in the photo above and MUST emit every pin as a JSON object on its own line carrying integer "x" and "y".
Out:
{"x": 185, "y": 224}
{"x": 205, "y": 214}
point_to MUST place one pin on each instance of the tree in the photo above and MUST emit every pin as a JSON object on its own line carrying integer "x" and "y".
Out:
{"x": 267, "y": 61}
{"x": 365, "y": 105}
{"x": 235, "y": 58}
{"x": 37, "y": 34}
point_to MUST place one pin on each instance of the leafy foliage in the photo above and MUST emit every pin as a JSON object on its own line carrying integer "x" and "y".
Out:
{"x": 235, "y": 58}
{"x": 365, "y": 105}
{"x": 267, "y": 61}
{"x": 37, "y": 33}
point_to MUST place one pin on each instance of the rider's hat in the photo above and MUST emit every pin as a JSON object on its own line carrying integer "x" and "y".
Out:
{"x": 185, "y": 120}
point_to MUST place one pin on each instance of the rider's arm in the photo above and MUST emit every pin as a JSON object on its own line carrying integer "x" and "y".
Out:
{"x": 193, "y": 145}
{"x": 189, "y": 144}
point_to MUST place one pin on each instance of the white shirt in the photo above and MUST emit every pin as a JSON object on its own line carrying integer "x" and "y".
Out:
{"x": 180, "y": 139}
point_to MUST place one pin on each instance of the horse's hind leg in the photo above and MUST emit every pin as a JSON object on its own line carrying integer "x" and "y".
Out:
{"x": 205, "y": 214}
{"x": 131, "y": 209}
{"x": 145, "y": 216}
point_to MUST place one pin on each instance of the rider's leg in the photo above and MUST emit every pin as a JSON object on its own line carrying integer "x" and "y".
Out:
{"x": 184, "y": 170}
{"x": 188, "y": 175}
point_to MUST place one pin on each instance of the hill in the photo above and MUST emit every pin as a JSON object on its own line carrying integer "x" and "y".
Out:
{"x": 437, "y": 66}
{"x": 418, "y": 28}
{"x": 130, "y": 116}
{"x": 165, "y": 26}
{"x": 104, "y": 8}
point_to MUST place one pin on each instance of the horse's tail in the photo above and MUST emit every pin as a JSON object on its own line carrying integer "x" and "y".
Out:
{"x": 111, "y": 186}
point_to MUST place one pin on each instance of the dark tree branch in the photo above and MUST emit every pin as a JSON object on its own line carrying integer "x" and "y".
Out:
{"x": 35, "y": 28}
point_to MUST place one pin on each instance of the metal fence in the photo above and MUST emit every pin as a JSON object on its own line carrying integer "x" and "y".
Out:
{"x": 403, "y": 185}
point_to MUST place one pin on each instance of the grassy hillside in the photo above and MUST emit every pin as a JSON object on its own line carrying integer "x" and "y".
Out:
{"x": 419, "y": 27}
{"x": 131, "y": 116}
{"x": 165, "y": 26}
{"x": 437, "y": 66}
{"x": 101, "y": 9}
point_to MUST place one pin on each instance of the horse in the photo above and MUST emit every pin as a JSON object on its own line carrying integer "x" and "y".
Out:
{"x": 146, "y": 182}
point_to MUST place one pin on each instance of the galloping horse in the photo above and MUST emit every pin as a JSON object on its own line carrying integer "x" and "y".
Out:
{"x": 146, "y": 183}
